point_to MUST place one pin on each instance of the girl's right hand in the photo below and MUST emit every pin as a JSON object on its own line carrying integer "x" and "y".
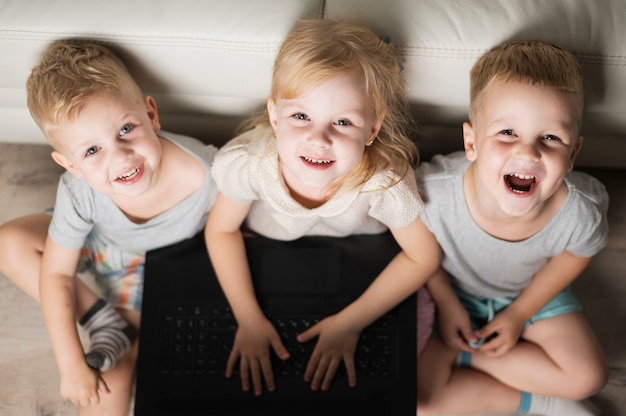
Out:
{"x": 82, "y": 385}
{"x": 252, "y": 348}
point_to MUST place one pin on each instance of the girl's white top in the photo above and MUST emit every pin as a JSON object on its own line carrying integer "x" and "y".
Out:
{"x": 246, "y": 169}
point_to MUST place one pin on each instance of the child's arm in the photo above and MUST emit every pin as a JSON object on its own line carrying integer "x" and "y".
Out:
{"x": 255, "y": 334}
{"x": 454, "y": 323}
{"x": 559, "y": 272}
{"x": 79, "y": 383}
{"x": 338, "y": 334}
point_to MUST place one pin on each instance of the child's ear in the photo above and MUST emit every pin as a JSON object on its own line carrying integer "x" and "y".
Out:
{"x": 469, "y": 141}
{"x": 271, "y": 110}
{"x": 577, "y": 146}
{"x": 375, "y": 130}
{"x": 66, "y": 163}
{"x": 153, "y": 114}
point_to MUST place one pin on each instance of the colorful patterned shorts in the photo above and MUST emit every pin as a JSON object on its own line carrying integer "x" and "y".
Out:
{"x": 118, "y": 274}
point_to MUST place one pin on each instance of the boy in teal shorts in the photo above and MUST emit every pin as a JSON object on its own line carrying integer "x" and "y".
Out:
{"x": 516, "y": 226}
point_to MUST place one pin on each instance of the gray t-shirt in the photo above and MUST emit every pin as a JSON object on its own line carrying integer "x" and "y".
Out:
{"x": 487, "y": 267}
{"x": 79, "y": 209}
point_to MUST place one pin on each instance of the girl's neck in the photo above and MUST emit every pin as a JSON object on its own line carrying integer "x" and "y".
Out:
{"x": 309, "y": 200}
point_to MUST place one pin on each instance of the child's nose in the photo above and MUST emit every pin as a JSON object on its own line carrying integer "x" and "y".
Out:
{"x": 320, "y": 137}
{"x": 122, "y": 150}
{"x": 527, "y": 151}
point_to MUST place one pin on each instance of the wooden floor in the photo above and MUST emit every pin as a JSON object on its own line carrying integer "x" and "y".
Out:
{"x": 28, "y": 377}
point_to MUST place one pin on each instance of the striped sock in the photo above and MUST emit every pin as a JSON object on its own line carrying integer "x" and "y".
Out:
{"x": 110, "y": 335}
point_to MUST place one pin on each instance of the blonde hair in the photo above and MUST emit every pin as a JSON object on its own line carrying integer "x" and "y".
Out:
{"x": 529, "y": 61}
{"x": 319, "y": 49}
{"x": 70, "y": 73}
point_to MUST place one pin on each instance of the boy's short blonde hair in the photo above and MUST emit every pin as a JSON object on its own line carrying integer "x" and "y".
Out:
{"x": 530, "y": 61}
{"x": 319, "y": 49}
{"x": 68, "y": 74}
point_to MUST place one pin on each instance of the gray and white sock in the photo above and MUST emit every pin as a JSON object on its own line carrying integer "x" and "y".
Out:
{"x": 110, "y": 335}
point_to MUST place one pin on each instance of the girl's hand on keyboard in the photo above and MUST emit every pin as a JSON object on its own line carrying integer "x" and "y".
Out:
{"x": 252, "y": 349}
{"x": 336, "y": 342}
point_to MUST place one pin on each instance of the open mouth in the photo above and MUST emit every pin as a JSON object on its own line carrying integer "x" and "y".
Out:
{"x": 520, "y": 184}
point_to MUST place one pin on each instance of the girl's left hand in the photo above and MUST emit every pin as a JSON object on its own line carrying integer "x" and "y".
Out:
{"x": 336, "y": 342}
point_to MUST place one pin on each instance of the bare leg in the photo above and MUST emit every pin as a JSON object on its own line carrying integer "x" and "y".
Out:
{"x": 561, "y": 357}
{"x": 444, "y": 388}
{"x": 120, "y": 379}
{"x": 22, "y": 243}
{"x": 21, "y": 246}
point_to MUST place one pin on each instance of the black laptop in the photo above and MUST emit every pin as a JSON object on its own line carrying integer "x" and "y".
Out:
{"x": 187, "y": 330}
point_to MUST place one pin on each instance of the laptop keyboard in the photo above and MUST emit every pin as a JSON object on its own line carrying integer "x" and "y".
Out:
{"x": 197, "y": 339}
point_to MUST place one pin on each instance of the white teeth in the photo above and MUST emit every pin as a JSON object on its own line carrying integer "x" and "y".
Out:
{"x": 129, "y": 175}
{"x": 517, "y": 175}
{"x": 317, "y": 162}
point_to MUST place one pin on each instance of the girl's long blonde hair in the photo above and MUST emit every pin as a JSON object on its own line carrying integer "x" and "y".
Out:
{"x": 321, "y": 48}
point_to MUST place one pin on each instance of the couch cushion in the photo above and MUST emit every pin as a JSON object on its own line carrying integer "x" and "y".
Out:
{"x": 207, "y": 62}
{"x": 443, "y": 39}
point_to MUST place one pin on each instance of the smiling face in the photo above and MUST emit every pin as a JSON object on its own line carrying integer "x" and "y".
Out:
{"x": 111, "y": 144}
{"x": 523, "y": 141}
{"x": 321, "y": 135}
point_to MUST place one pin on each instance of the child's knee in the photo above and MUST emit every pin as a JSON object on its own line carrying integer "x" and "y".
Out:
{"x": 23, "y": 235}
{"x": 425, "y": 406}
{"x": 588, "y": 381}
{"x": 597, "y": 380}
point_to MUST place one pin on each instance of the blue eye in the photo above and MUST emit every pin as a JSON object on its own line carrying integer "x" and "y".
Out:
{"x": 343, "y": 122}
{"x": 126, "y": 128}
{"x": 301, "y": 116}
{"x": 507, "y": 132}
{"x": 551, "y": 137}
{"x": 91, "y": 151}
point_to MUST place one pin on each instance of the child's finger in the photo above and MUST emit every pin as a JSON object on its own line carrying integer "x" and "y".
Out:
{"x": 268, "y": 374}
{"x": 309, "y": 334}
{"x": 103, "y": 387}
{"x": 279, "y": 348}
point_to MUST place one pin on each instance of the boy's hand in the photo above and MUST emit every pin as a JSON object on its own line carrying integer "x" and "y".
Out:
{"x": 454, "y": 326}
{"x": 252, "y": 348}
{"x": 336, "y": 343}
{"x": 82, "y": 385}
{"x": 501, "y": 334}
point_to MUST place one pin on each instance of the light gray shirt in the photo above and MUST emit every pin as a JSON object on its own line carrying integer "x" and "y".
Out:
{"x": 487, "y": 267}
{"x": 79, "y": 209}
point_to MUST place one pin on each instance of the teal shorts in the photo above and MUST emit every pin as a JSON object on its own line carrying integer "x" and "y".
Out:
{"x": 481, "y": 311}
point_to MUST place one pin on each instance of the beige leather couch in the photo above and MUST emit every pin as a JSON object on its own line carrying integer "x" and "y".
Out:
{"x": 208, "y": 62}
